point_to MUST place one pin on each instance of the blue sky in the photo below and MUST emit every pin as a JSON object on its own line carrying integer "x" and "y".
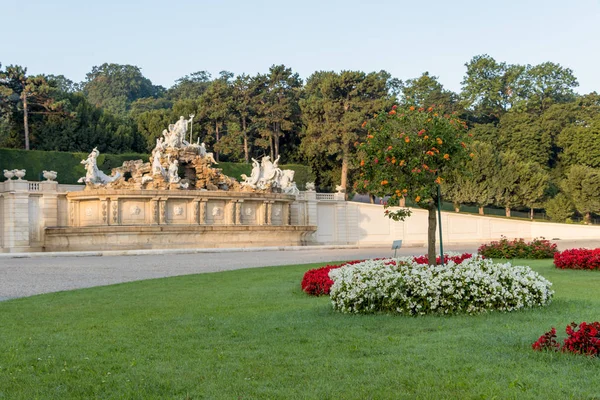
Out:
{"x": 169, "y": 39}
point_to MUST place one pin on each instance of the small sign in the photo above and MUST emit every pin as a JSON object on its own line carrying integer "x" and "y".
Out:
{"x": 396, "y": 244}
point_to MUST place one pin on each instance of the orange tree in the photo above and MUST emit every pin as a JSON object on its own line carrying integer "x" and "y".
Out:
{"x": 407, "y": 154}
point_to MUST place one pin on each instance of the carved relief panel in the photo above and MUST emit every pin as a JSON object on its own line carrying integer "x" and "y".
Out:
{"x": 177, "y": 212}
{"x": 249, "y": 212}
{"x": 215, "y": 212}
{"x": 133, "y": 212}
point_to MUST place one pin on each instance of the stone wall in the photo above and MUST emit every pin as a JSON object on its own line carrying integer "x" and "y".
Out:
{"x": 365, "y": 225}
{"x": 31, "y": 211}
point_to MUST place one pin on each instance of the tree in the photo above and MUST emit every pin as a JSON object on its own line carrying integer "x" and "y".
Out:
{"x": 582, "y": 185}
{"x": 191, "y": 86}
{"x": 559, "y": 208}
{"x": 533, "y": 183}
{"x": 426, "y": 91}
{"x": 580, "y": 139}
{"x": 490, "y": 88}
{"x": 244, "y": 92}
{"x": 519, "y": 183}
{"x": 114, "y": 87}
{"x": 32, "y": 94}
{"x": 333, "y": 110}
{"x": 215, "y": 105}
{"x": 523, "y": 134}
{"x": 278, "y": 113}
{"x": 548, "y": 83}
{"x": 475, "y": 184}
{"x": 409, "y": 152}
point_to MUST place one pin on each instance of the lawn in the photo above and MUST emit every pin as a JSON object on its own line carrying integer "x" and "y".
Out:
{"x": 253, "y": 333}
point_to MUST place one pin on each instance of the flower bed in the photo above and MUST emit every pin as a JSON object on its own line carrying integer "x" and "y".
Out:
{"x": 578, "y": 259}
{"x": 582, "y": 339}
{"x": 538, "y": 248}
{"x": 406, "y": 287}
{"x": 316, "y": 281}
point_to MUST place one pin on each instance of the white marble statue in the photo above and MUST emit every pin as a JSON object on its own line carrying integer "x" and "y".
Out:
{"x": 286, "y": 182}
{"x": 174, "y": 172}
{"x": 267, "y": 174}
{"x": 203, "y": 153}
{"x": 175, "y": 136}
{"x": 310, "y": 186}
{"x": 157, "y": 168}
{"x": 93, "y": 175}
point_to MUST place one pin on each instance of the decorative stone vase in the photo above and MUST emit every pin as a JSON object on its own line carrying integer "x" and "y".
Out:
{"x": 19, "y": 173}
{"x": 50, "y": 175}
{"x": 9, "y": 174}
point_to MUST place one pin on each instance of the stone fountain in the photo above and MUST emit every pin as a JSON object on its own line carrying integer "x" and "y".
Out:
{"x": 179, "y": 200}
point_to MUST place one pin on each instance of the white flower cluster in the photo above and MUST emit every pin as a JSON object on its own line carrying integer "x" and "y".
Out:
{"x": 400, "y": 285}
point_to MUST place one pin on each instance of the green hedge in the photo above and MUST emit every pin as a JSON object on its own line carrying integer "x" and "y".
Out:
{"x": 70, "y": 170}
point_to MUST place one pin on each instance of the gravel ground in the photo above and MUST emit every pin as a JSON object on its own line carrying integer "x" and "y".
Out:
{"x": 21, "y": 277}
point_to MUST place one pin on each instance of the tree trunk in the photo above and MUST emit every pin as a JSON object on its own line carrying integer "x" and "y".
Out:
{"x": 432, "y": 223}
{"x": 217, "y": 137}
{"x": 531, "y": 214}
{"x": 481, "y": 211}
{"x": 271, "y": 143}
{"x": 276, "y": 139}
{"x": 456, "y": 207}
{"x": 246, "y": 156}
{"x": 372, "y": 199}
{"x": 25, "y": 119}
{"x": 344, "y": 177}
{"x": 507, "y": 210}
{"x": 403, "y": 202}
{"x": 588, "y": 218}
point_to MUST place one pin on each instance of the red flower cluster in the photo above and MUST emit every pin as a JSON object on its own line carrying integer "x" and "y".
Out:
{"x": 578, "y": 259}
{"x": 547, "y": 341}
{"x": 316, "y": 281}
{"x": 457, "y": 259}
{"x": 584, "y": 339}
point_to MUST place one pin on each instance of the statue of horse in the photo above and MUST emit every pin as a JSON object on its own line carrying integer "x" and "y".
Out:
{"x": 93, "y": 175}
{"x": 286, "y": 182}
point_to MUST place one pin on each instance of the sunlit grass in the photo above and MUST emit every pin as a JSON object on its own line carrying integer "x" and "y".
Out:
{"x": 254, "y": 334}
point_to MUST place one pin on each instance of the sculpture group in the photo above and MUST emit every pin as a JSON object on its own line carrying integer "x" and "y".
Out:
{"x": 176, "y": 163}
{"x": 266, "y": 175}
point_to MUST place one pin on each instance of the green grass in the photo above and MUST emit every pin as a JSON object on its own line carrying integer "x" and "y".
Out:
{"x": 253, "y": 333}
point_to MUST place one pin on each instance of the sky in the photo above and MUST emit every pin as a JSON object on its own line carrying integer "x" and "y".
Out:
{"x": 169, "y": 39}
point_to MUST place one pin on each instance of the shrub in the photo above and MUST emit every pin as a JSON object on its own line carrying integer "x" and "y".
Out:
{"x": 582, "y": 339}
{"x": 578, "y": 259}
{"x": 406, "y": 287}
{"x": 517, "y": 248}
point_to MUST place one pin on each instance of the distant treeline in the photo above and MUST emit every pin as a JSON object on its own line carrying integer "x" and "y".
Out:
{"x": 530, "y": 114}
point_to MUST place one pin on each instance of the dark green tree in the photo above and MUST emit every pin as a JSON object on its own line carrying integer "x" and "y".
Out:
{"x": 582, "y": 186}
{"x": 278, "y": 112}
{"x": 114, "y": 87}
{"x": 334, "y": 109}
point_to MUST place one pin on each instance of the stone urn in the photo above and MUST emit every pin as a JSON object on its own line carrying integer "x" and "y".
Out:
{"x": 19, "y": 173}
{"x": 9, "y": 174}
{"x": 49, "y": 175}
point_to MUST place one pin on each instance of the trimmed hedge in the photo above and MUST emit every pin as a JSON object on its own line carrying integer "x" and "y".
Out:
{"x": 70, "y": 170}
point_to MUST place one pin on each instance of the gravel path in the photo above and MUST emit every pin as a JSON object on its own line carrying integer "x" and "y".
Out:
{"x": 21, "y": 277}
